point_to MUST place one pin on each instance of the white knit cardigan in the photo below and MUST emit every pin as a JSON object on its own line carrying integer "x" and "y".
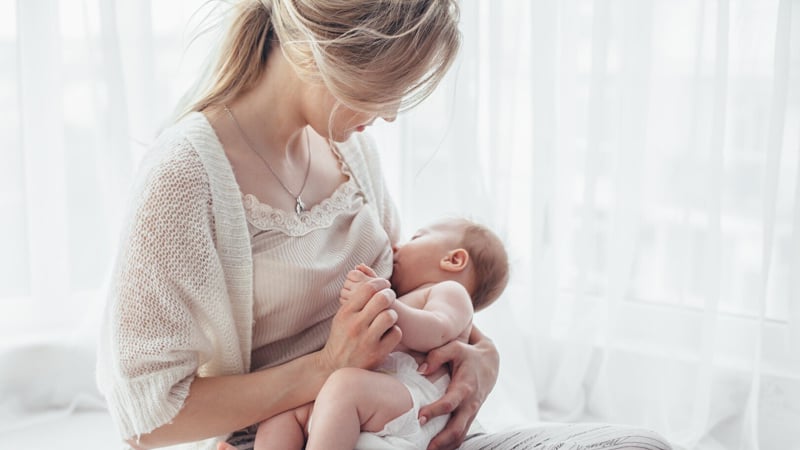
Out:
{"x": 181, "y": 298}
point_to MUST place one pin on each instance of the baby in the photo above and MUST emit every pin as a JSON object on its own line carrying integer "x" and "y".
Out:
{"x": 441, "y": 276}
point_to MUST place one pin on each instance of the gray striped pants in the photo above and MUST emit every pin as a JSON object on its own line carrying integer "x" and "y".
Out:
{"x": 579, "y": 436}
{"x": 569, "y": 437}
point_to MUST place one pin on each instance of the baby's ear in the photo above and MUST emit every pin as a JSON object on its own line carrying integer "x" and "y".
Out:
{"x": 455, "y": 260}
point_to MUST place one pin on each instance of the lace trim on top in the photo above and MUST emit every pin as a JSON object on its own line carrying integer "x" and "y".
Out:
{"x": 321, "y": 215}
{"x": 265, "y": 217}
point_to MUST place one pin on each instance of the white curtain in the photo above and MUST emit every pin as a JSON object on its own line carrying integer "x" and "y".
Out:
{"x": 84, "y": 86}
{"x": 639, "y": 157}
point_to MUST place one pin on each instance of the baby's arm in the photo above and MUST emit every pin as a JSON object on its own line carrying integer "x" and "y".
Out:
{"x": 445, "y": 316}
{"x": 447, "y": 312}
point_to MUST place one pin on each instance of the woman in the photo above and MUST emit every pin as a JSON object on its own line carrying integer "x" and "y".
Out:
{"x": 248, "y": 214}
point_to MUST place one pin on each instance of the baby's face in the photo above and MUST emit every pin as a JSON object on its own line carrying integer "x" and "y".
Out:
{"x": 417, "y": 261}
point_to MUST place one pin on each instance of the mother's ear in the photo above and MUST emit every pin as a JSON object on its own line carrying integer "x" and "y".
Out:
{"x": 455, "y": 260}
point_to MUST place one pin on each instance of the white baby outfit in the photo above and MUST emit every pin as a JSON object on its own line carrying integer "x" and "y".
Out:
{"x": 404, "y": 431}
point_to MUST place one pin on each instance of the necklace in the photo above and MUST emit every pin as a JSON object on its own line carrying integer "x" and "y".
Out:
{"x": 299, "y": 206}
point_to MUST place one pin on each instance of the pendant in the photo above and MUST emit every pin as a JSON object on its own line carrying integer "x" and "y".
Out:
{"x": 299, "y": 206}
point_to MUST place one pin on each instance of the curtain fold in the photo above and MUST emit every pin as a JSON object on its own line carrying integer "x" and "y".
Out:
{"x": 42, "y": 135}
{"x": 93, "y": 81}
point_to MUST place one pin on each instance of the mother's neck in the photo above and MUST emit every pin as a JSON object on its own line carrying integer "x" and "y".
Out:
{"x": 271, "y": 112}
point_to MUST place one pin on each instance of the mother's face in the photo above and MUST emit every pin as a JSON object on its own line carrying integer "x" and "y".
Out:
{"x": 330, "y": 118}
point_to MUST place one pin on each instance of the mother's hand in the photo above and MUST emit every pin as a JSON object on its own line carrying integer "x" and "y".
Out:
{"x": 473, "y": 369}
{"x": 363, "y": 331}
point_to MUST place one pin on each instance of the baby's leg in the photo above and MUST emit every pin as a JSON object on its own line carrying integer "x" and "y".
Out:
{"x": 283, "y": 432}
{"x": 354, "y": 400}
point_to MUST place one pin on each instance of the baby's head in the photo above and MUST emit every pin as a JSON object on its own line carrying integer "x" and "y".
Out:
{"x": 453, "y": 249}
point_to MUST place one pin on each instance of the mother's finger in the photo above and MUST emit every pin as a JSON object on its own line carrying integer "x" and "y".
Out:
{"x": 378, "y": 303}
{"x": 440, "y": 356}
{"x": 390, "y": 339}
{"x": 452, "y": 436}
{"x": 446, "y": 404}
{"x": 384, "y": 331}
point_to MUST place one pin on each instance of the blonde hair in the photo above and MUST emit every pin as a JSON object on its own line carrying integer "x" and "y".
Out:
{"x": 489, "y": 261}
{"x": 372, "y": 55}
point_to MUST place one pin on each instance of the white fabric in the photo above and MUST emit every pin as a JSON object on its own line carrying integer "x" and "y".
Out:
{"x": 404, "y": 431}
{"x": 178, "y": 306}
{"x": 85, "y": 88}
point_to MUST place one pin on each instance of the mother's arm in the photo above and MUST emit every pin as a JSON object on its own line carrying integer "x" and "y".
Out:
{"x": 474, "y": 368}
{"x": 362, "y": 334}
{"x": 218, "y": 405}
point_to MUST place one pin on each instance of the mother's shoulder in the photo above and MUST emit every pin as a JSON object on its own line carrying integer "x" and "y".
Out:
{"x": 192, "y": 129}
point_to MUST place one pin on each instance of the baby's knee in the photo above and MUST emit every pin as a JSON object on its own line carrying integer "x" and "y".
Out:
{"x": 344, "y": 382}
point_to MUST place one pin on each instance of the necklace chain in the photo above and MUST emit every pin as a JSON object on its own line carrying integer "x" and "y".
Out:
{"x": 299, "y": 206}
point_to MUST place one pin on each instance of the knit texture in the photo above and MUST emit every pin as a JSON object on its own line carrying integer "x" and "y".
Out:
{"x": 180, "y": 302}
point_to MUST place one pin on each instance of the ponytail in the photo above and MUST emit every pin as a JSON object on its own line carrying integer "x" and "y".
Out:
{"x": 243, "y": 54}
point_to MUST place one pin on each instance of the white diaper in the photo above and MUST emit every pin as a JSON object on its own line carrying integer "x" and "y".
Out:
{"x": 404, "y": 431}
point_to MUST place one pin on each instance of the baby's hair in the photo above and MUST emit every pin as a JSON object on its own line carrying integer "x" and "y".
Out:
{"x": 489, "y": 261}
{"x": 375, "y": 56}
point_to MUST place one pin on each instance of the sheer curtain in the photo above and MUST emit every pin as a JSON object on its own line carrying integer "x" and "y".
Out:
{"x": 84, "y": 86}
{"x": 639, "y": 157}
{"x": 641, "y": 160}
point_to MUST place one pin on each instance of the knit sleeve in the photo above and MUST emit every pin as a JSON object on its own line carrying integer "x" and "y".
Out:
{"x": 166, "y": 291}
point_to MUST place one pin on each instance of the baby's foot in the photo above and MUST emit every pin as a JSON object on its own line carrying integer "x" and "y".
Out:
{"x": 225, "y": 446}
{"x": 355, "y": 278}
{"x": 366, "y": 270}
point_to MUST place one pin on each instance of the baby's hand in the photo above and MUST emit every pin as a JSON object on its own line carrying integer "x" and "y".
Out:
{"x": 355, "y": 278}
